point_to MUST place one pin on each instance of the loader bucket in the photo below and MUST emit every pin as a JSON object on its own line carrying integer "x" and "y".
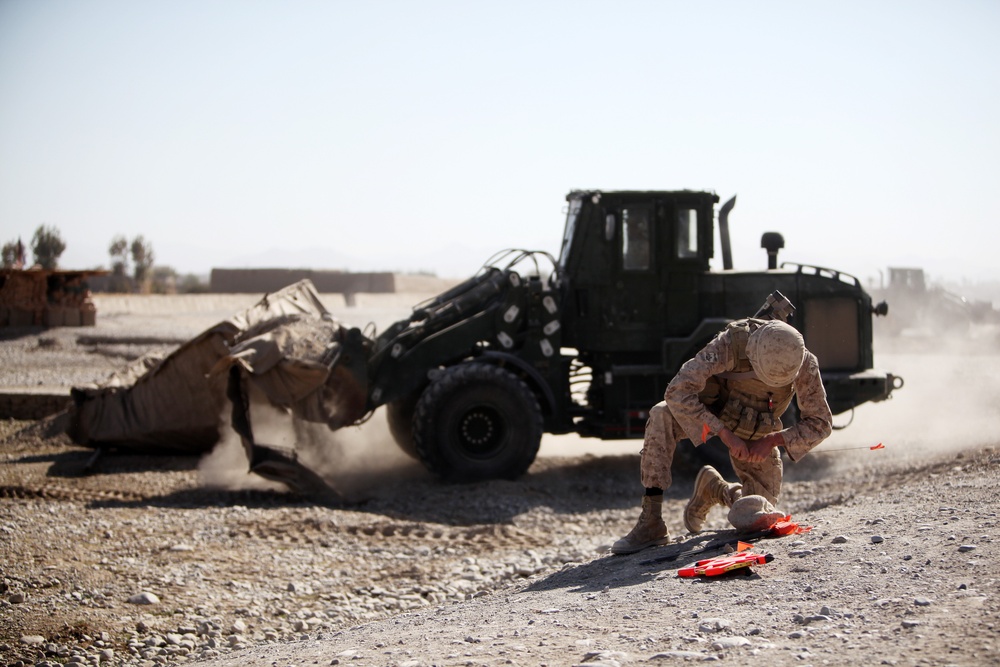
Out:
{"x": 287, "y": 348}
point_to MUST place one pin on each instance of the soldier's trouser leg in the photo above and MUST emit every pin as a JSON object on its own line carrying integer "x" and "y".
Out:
{"x": 658, "y": 447}
{"x": 662, "y": 433}
{"x": 761, "y": 479}
{"x": 710, "y": 489}
{"x": 754, "y": 511}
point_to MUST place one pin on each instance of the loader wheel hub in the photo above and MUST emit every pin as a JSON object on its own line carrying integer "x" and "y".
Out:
{"x": 481, "y": 431}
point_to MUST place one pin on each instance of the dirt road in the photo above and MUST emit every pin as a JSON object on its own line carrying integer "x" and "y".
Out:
{"x": 145, "y": 561}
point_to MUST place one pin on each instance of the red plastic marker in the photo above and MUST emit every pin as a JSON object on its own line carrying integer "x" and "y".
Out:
{"x": 787, "y": 527}
{"x": 713, "y": 567}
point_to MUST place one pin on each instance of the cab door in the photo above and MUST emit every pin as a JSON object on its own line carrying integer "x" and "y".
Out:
{"x": 637, "y": 309}
{"x": 685, "y": 262}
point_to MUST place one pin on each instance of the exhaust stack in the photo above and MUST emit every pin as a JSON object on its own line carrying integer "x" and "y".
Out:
{"x": 727, "y": 250}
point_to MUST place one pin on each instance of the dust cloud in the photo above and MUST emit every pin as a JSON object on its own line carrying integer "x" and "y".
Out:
{"x": 227, "y": 467}
{"x": 359, "y": 462}
{"x": 948, "y": 403}
{"x": 356, "y": 462}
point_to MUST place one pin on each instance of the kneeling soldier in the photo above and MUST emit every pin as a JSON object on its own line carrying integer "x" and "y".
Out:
{"x": 736, "y": 387}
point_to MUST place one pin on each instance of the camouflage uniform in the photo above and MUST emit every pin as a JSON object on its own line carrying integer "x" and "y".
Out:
{"x": 715, "y": 390}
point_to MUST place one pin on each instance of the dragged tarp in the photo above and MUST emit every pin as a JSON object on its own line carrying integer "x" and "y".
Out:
{"x": 287, "y": 348}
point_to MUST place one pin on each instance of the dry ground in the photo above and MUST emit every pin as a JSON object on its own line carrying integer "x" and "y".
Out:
{"x": 899, "y": 567}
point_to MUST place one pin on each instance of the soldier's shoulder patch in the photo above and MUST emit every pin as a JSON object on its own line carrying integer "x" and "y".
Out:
{"x": 711, "y": 356}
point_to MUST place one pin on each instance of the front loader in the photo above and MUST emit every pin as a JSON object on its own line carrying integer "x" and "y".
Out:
{"x": 587, "y": 343}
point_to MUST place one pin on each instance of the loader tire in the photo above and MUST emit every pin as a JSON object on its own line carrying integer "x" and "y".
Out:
{"x": 399, "y": 415}
{"x": 477, "y": 422}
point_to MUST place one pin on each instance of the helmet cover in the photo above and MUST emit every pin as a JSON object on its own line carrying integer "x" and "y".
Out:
{"x": 776, "y": 351}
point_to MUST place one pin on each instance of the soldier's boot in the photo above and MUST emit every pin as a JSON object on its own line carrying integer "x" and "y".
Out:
{"x": 649, "y": 530}
{"x": 710, "y": 489}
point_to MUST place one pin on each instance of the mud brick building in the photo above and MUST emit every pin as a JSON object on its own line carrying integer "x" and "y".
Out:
{"x": 39, "y": 297}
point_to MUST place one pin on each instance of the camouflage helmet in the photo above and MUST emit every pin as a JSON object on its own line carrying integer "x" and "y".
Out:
{"x": 776, "y": 351}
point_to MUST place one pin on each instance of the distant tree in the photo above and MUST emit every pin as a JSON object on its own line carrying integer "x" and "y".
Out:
{"x": 119, "y": 254}
{"x": 13, "y": 255}
{"x": 192, "y": 284}
{"x": 9, "y": 255}
{"x": 164, "y": 280}
{"x": 142, "y": 261}
{"x": 119, "y": 264}
{"x": 47, "y": 246}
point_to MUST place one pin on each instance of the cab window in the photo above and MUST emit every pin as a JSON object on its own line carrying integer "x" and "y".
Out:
{"x": 636, "y": 253}
{"x": 571, "y": 216}
{"x": 686, "y": 233}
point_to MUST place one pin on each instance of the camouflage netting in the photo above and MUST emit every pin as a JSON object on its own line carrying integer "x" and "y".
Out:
{"x": 293, "y": 361}
{"x": 286, "y": 346}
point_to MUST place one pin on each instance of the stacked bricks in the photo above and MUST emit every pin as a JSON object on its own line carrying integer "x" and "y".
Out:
{"x": 37, "y": 297}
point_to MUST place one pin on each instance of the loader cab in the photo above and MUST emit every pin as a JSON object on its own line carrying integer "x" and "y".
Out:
{"x": 631, "y": 263}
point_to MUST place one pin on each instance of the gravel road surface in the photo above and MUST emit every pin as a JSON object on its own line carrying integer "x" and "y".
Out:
{"x": 155, "y": 561}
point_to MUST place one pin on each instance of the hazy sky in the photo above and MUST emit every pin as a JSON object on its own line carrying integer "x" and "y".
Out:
{"x": 427, "y": 135}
